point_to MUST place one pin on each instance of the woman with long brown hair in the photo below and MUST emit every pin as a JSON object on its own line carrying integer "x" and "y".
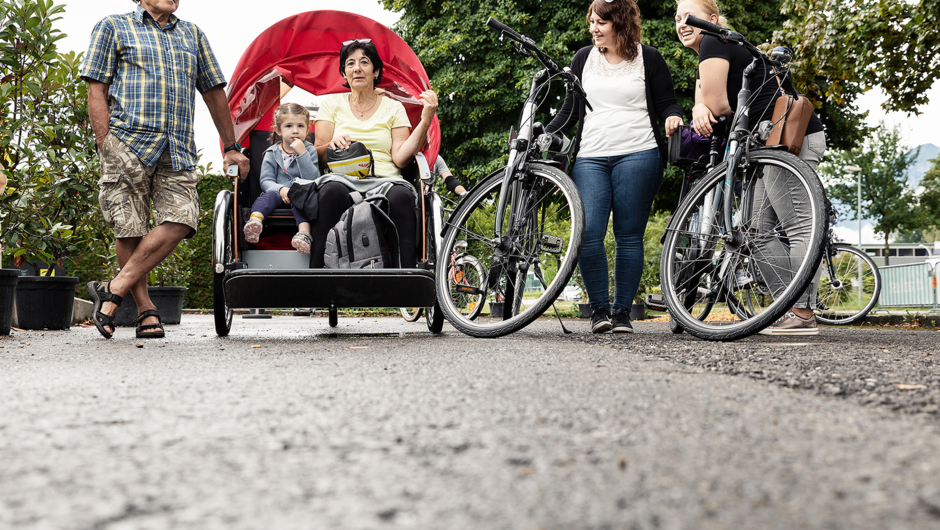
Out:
{"x": 620, "y": 151}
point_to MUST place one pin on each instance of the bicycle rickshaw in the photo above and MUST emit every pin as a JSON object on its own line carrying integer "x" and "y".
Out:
{"x": 303, "y": 51}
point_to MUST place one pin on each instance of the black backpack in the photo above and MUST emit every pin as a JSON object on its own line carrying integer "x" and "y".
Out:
{"x": 364, "y": 238}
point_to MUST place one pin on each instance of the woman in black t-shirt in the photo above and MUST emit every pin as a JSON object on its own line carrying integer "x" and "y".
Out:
{"x": 720, "y": 70}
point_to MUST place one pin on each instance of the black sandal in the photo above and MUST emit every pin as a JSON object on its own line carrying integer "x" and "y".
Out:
{"x": 149, "y": 331}
{"x": 99, "y": 293}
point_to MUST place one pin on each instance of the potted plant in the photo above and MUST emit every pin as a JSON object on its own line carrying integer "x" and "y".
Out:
{"x": 45, "y": 213}
{"x": 8, "y": 278}
{"x": 584, "y": 305}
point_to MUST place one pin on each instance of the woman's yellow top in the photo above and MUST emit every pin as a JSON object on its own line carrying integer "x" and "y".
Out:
{"x": 375, "y": 133}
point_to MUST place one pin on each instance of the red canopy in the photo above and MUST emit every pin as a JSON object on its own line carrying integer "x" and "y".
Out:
{"x": 303, "y": 50}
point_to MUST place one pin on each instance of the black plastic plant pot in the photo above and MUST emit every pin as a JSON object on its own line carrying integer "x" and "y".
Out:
{"x": 496, "y": 309}
{"x": 8, "y": 281}
{"x": 169, "y": 302}
{"x": 45, "y": 302}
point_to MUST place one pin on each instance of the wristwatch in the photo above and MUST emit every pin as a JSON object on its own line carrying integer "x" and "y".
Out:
{"x": 234, "y": 147}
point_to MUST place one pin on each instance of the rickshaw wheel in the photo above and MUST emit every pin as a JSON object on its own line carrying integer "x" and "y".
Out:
{"x": 334, "y": 317}
{"x": 435, "y": 318}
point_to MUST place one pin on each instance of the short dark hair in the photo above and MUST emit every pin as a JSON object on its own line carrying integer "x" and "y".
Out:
{"x": 369, "y": 50}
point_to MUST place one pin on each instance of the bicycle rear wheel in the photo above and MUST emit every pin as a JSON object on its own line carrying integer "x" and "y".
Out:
{"x": 699, "y": 262}
{"x": 846, "y": 296}
{"x": 528, "y": 267}
{"x": 411, "y": 314}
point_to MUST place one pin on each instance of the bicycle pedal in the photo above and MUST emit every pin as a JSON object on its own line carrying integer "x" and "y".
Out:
{"x": 469, "y": 289}
{"x": 550, "y": 243}
{"x": 656, "y": 302}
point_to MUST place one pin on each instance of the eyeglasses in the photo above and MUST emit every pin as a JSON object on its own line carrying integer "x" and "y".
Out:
{"x": 364, "y": 41}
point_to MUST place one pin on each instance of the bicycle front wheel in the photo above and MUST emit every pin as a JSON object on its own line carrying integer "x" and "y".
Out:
{"x": 746, "y": 273}
{"x": 526, "y": 268}
{"x": 847, "y": 295}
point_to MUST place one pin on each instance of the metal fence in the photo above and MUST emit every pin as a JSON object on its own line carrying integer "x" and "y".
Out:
{"x": 913, "y": 285}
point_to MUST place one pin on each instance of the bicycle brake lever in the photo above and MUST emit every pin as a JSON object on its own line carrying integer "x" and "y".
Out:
{"x": 518, "y": 48}
{"x": 573, "y": 82}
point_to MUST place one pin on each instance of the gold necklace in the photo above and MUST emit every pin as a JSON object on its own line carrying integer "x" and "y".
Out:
{"x": 368, "y": 109}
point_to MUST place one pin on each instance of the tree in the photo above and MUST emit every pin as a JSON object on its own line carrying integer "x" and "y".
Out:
{"x": 886, "y": 196}
{"x": 930, "y": 198}
{"x": 482, "y": 84}
{"x": 862, "y": 44}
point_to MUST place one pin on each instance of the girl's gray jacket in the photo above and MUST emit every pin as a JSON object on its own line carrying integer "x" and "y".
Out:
{"x": 274, "y": 176}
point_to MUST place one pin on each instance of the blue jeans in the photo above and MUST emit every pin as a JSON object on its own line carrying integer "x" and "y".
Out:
{"x": 626, "y": 186}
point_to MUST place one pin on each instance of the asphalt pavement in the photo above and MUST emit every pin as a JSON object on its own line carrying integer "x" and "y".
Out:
{"x": 288, "y": 423}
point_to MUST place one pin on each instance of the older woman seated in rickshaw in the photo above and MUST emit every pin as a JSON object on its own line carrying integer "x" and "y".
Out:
{"x": 381, "y": 124}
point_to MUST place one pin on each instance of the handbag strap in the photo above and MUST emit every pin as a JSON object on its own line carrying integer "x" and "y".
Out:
{"x": 777, "y": 77}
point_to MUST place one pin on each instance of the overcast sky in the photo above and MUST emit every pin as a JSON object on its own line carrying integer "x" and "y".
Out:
{"x": 231, "y": 25}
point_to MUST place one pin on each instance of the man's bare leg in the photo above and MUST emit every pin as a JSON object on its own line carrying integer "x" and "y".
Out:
{"x": 125, "y": 249}
{"x": 146, "y": 254}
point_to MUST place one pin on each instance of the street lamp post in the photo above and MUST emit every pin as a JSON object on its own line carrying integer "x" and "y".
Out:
{"x": 858, "y": 213}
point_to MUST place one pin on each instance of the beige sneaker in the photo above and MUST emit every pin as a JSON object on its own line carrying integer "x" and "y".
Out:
{"x": 790, "y": 324}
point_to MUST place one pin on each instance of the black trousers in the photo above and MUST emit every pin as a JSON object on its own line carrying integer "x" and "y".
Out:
{"x": 334, "y": 200}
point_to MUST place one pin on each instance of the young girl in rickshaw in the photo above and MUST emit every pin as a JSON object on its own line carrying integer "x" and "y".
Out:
{"x": 291, "y": 158}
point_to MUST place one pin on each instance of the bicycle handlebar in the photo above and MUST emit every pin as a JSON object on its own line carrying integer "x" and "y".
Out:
{"x": 546, "y": 61}
{"x": 696, "y": 22}
{"x": 526, "y": 43}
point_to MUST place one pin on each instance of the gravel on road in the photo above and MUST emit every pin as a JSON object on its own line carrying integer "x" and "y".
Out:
{"x": 380, "y": 425}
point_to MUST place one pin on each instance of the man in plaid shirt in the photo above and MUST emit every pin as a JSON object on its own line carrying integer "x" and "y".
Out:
{"x": 143, "y": 69}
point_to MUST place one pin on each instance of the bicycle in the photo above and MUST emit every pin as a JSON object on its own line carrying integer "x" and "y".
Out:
{"x": 717, "y": 254}
{"x": 466, "y": 275}
{"x": 524, "y": 222}
{"x": 849, "y": 284}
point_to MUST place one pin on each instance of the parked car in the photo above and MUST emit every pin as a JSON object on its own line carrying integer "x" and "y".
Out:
{"x": 571, "y": 293}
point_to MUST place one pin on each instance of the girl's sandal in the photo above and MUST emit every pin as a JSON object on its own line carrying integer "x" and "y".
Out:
{"x": 99, "y": 293}
{"x": 149, "y": 331}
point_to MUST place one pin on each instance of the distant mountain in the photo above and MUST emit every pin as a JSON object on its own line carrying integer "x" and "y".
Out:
{"x": 922, "y": 163}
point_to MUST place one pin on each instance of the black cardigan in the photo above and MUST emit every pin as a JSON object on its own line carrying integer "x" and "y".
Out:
{"x": 660, "y": 96}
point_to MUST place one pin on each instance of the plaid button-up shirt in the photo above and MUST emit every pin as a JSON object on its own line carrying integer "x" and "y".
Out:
{"x": 152, "y": 73}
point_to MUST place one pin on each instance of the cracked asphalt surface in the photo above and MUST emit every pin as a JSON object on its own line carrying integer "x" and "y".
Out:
{"x": 281, "y": 425}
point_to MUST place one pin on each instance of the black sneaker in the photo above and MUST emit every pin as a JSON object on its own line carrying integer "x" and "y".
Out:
{"x": 600, "y": 320}
{"x": 621, "y": 322}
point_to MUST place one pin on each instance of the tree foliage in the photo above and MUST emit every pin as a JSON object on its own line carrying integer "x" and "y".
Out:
{"x": 886, "y": 196}
{"x": 857, "y": 45}
{"x": 930, "y": 198}
{"x": 483, "y": 84}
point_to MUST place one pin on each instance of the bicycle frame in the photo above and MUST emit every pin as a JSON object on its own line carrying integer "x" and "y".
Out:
{"x": 518, "y": 151}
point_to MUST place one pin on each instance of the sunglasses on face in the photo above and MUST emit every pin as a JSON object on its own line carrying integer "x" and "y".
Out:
{"x": 364, "y": 41}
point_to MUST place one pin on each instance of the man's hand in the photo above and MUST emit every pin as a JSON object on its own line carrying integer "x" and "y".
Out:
{"x": 235, "y": 157}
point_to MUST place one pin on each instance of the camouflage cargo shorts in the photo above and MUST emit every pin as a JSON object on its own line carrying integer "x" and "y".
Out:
{"x": 128, "y": 188}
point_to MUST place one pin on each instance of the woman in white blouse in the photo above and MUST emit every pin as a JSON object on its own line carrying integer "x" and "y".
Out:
{"x": 620, "y": 151}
